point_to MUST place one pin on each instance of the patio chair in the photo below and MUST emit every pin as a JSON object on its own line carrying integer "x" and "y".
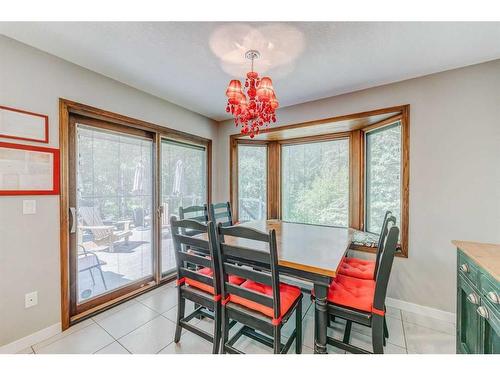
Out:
{"x": 88, "y": 260}
{"x": 165, "y": 220}
{"x": 103, "y": 234}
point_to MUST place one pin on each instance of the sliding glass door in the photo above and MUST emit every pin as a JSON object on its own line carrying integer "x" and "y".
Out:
{"x": 183, "y": 183}
{"x": 123, "y": 179}
{"x": 113, "y": 213}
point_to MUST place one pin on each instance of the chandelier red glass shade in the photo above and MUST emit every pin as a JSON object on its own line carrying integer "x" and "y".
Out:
{"x": 256, "y": 107}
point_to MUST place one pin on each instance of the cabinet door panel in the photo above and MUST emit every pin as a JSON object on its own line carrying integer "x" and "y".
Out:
{"x": 490, "y": 330}
{"x": 468, "y": 301}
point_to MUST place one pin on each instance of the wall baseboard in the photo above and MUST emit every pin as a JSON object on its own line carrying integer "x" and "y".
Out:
{"x": 422, "y": 310}
{"x": 431, "y": 312}
{"x": 54, "y": 329}
{"x": 32, "y": 339}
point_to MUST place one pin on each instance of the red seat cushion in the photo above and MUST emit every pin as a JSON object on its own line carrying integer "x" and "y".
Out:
{"x": 359, "y": 268}
{"x": 288, "y": 295}
{"x": 209, "y": 288}
{"x": 352, "y": 292}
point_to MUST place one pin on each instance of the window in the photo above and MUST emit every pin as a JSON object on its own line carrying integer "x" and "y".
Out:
{"x": 315, "y": 182}
{"x": 345, "y": 171}
{"x": 252, "y": 182}
{"x": 383, "y": 175}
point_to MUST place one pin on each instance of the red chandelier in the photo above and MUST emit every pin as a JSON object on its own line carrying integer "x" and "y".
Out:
{"x": 256, "y": 108}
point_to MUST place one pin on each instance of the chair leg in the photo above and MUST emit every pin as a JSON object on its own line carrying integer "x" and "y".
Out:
{"x": 347, "y": 332}
{"x": 102, "y": 277}
{"x": 225, "y": 330}
{"x": 92, "y": 276}
{"x": 196, "y": 306}
{"x": 378, "y": 334}
{"x": 386, "y": 330}
{"x": 298, "y": 328}
{"x": 217, "y": 328}
{"x": 181, "y": 306}
{"x": 277, "y": 339}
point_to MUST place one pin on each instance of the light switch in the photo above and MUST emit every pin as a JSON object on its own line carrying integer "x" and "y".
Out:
{"x": 29, "y": 207}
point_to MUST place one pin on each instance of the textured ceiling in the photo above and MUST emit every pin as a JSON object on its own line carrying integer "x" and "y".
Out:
{"x": 190, "y": 63}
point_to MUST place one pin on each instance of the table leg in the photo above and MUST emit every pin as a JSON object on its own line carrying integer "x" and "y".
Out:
{"x": 320, "y": 318}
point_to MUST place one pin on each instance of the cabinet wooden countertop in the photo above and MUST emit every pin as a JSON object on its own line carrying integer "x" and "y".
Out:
{"x": 486, "y": 255}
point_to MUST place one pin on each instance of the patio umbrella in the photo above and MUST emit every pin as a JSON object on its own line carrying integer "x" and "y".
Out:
{"x": 179, "y": 169}
{"x": 138, "y": 178}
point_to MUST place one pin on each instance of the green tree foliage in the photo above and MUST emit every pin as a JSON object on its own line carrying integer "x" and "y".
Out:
{"x": 252, "y": 181}
{"x": 315, "y": 183}
{"x": 383, "y": 175}
{"x": 315, "y": 180}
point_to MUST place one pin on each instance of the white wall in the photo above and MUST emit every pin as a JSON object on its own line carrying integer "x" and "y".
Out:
{"x": 454, "y": 169}
{"x": 29, "y": 245}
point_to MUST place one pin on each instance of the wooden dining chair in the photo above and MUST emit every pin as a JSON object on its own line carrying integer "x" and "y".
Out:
{"x": 200, "y": 285}
{"x": 262, "y": 303}
{"x": 221, "y": 213}
{"x": 366, "y": 269}
{"x": 363, "y": 301}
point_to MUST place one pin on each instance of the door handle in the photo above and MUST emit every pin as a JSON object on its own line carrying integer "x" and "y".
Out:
{"x": 483, "y": 312}
{"x": 473, "y": 298}
{"x": 464, "y": 268}
{"x": 493, "y": 297}
{"x": 72, "y": 212}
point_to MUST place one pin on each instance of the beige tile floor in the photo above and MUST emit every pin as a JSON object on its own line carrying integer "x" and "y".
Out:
{"x": 147, "y": 323}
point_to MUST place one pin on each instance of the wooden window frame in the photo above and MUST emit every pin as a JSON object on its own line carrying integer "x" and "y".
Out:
{"x": 68, "y": 110}
{"x": 356, "y": 167}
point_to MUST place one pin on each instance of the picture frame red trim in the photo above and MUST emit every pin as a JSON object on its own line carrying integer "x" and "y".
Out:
{"x": 45, "y": 117}
{"x": 56, "y": 170}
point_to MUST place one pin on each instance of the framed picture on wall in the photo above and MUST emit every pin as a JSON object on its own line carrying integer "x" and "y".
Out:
{"x": 23, "y": 125}
{"x": 28, "y": 170}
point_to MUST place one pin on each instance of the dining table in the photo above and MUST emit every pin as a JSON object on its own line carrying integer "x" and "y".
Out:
{"x": 308, "y": 252}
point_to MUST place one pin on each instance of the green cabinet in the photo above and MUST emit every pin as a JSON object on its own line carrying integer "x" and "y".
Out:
{"x": 467, "y": 318}
{"x": 478, "y": 309}
{"x": 490, "y": 330}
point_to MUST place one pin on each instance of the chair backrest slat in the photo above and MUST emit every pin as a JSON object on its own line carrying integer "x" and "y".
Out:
{"x": 187, "y": 250}
{"x": 248, "y": 273}
{"x": 194, "y": 258}
{"x": 245, "y": 253}
{"x": 186, "y": 272}
{"x": 385, "y": 267}
{"x": 194, "y": 242}
{"x": 245, "y": 232}
{"x": 221, "y": 213}
{"x": 239, "y": 260}
{"x": 196, "y": 213}
{"x": 248, "y": 294}
{"x": 220, "y": 205}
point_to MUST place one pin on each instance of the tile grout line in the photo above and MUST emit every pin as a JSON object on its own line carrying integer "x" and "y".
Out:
{"x": 119, "y": 343}
{"x": 122, "y": 336}
{"x": 422, "y": 326}
{"x": 63, "y": 335}
{"x": 404, "y": 331}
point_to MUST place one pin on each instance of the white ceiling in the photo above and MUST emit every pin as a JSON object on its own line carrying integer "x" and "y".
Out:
{"x": 191, "y": 63}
